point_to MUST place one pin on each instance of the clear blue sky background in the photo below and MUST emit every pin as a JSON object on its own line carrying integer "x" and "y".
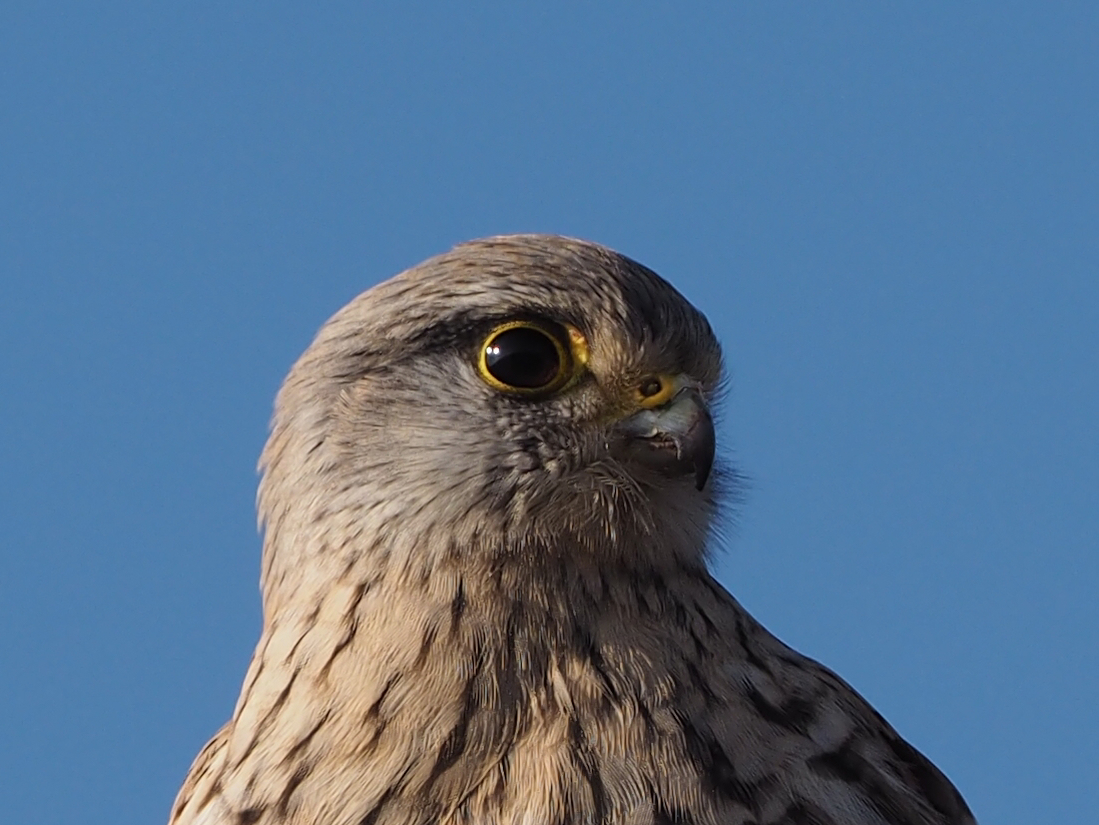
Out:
{"x": 889, "y": 211}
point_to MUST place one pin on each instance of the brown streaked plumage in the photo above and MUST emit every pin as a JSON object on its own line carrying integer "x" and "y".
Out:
{"x": 488, "y": 603}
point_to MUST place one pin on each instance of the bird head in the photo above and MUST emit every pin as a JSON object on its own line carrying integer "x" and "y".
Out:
{"x": 517, "y": 397}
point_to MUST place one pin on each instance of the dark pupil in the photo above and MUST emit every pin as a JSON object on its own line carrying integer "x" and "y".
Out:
{"x": 522, "y": 357}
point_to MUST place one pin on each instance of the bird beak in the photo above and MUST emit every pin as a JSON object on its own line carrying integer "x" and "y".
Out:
{"x": 676, "y": 438}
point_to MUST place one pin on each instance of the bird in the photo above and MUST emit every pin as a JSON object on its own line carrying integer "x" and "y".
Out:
{"x": 488, "y": 501}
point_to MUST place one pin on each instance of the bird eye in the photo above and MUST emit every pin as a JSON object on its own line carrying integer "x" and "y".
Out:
{"x": 525, "y": 357}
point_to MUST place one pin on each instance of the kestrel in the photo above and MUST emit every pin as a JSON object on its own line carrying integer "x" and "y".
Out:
{"x": 486, "y": 498}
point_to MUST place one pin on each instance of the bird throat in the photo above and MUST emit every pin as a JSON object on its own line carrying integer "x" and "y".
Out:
{"x": 455, "y": 696}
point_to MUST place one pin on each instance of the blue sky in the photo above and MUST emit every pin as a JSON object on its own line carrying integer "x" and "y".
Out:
{"x": 889, "y": 212}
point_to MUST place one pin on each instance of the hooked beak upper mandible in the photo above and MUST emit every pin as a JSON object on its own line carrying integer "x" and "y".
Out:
{"x": 676, "y": 438}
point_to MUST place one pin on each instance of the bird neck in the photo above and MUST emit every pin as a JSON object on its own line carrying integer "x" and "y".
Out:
{"x": 456, "y": 670}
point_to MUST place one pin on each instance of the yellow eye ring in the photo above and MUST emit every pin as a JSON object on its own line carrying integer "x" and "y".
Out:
{"x": 530, "y": 357}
